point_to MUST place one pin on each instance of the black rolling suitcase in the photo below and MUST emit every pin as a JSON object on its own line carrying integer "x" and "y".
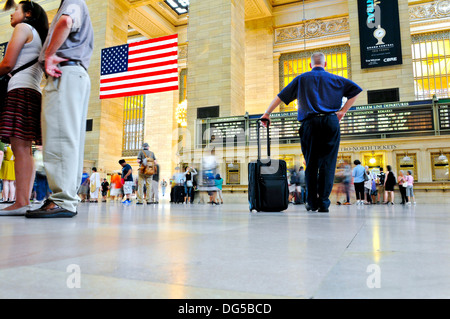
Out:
{"x": 179, "y": 194}
{"x": 268, "y": 189}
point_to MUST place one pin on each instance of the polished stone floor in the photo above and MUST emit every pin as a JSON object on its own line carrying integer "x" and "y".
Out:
{"x": 171, "y": 251}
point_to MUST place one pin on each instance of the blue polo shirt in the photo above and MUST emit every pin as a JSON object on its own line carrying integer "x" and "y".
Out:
{"x": 318, "y": 92}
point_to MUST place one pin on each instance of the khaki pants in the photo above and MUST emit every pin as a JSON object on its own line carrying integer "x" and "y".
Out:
{"x": 65, "y": 103}
{"x": 147, "y": 181}
{"x": 154, "y": 195}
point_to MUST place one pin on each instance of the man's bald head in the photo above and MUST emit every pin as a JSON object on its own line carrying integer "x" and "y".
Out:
{"x": 318, "y": 59}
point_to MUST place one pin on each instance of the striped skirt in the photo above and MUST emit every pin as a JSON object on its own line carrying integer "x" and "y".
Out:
{"x": 21, "y": 116}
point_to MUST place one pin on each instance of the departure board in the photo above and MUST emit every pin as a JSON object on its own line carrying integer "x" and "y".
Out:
{"x": 387, "y": 120}
{"x": 444, "y": 117}
{"x": 359, "y": 121}
{"x": 281, "y": 129}
{"x": 231, "y": 130}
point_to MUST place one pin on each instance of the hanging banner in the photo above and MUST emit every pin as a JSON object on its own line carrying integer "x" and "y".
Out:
{"x": 379, "y": 33}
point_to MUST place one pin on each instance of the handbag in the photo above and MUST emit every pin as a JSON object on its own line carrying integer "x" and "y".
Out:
{"x": 93, "y": 187}
{"x": 405, "y": 184}
{"x": 366, "y": 178}
{"x": 4, "y": 80}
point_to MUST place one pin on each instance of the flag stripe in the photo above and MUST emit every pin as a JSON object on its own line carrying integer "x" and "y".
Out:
{"x": 111, "y": 96}
{"x": 168, "y": 37}
{"x": 153, "y": 87}
{"x": 151, "y": 65}
{"x": 138, "y": 84}
{"x": 142, "y": 75}
{"x": 149, "y": 51}
{"x": 156, "y": 56}
{"x": 142, "y": 67}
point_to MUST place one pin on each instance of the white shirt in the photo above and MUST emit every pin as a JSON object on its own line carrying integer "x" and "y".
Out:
{"x": 31, "y": 77}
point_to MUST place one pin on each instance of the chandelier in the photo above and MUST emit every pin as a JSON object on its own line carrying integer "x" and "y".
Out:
{"x": 181, "y": 114}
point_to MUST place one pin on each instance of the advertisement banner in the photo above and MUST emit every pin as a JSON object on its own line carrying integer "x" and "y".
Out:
{"x": 379, "y": 33}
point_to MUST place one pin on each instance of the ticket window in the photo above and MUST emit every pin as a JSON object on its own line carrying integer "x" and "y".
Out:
{"x": 233, "y": 173}
{"x": 440, "y": 167}
{"x": 374, "y": 162}
{"x": 407, "y": 162}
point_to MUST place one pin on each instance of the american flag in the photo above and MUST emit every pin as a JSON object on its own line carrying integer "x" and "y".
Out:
{"x": 142, "y": 67}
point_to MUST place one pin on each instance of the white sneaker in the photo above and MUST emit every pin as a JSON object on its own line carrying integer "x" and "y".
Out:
{"x": 414, "y": 203}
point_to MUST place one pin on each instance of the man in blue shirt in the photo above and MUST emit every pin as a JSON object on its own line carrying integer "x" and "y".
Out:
{"x": 319, "y": 96}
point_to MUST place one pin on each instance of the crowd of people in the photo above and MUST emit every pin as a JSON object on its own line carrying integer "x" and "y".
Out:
{"x": 369, "y": 187}
{"x": 144, "y": 187}
{"x": 379, "y": 187}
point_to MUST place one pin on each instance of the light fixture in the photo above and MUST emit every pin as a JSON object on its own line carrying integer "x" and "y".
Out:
{"x": 406, "y": 158}
{"x": 442, "y": 157}
{"x": 181, "y": 114}
{"x": 373, "y": 160}
{"x": 179, "y": 6}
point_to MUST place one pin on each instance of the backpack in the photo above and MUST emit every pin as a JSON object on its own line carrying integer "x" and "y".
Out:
{"x": 148, "y": 166}
{"x": 381, "y": 176}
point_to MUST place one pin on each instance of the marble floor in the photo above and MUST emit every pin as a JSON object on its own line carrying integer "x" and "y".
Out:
{"x": 177, "y": 251}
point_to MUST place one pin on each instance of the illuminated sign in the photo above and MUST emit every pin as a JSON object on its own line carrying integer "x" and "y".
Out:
{"x": 379, "y": 33}
{"x": 444, "y": 117}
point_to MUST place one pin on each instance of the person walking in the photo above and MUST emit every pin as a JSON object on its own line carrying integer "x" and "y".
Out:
{"x": 20, "y": 117}
{"x": 301, "y": 185}
{"x": 219, "y": 184}
{"x": 144, "y": 157}
{"x": 105, "y": 188}
{"x": 8, "y": 177}
{"x": 389, "y": 184}
{"x": 189, "y": 183}
{"x": 410, "y": 188}
{"x": 115, "y": 187}
{"x": 401, "y": 180}
{"x": 358, "y": 181}
{"x": 368, "y": 186}
{"x": 94, "y": 185}
{"x": 128, "y": 181}
{"x": 347, "y": 181}
{"x": 154, "y": 194}
{"x": 381, "y": 177}
{"x": 42, "y": 189}
{"x": 320, "y": 95}
{"x": 163, "y": 187}
{"x": 65, "y": 58}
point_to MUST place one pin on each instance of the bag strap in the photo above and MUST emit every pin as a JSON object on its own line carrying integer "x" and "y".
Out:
{"x": 23, "y": 67}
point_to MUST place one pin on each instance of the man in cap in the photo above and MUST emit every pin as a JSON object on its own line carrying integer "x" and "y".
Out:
{"x": 144, "y": 157}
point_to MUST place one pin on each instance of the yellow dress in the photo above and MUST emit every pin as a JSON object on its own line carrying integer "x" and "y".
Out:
{"x": 7, "y": 170}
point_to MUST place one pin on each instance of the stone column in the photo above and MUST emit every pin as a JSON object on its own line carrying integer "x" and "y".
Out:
{"x": 216, "y": 67}
{"x": 104, "y": 143}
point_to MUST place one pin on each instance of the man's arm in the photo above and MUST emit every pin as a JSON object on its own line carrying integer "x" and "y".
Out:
{"x": 60, "y": 34}
{"x": 128, "y": 173}
{"x": 341, "y": 113}
{"x": 272, "y": 106}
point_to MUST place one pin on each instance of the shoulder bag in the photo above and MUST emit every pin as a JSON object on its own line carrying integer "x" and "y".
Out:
{"x": 4, "y": 80}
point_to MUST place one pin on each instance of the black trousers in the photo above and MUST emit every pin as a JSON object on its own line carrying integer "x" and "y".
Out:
{"x": 320, "y": 137}
{"x": 403, "y": 193}
{"x": 359, "y": 190}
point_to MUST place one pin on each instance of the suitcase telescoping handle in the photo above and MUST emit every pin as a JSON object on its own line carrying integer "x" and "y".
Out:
{"x": 258, "y": 125}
